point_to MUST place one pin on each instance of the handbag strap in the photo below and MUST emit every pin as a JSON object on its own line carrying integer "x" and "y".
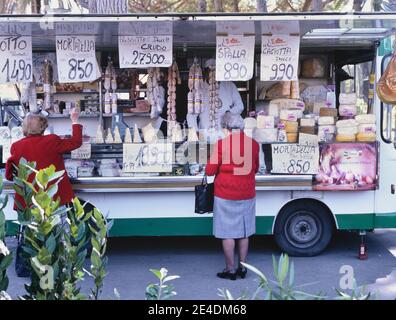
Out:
{"x": 204, "y": 180}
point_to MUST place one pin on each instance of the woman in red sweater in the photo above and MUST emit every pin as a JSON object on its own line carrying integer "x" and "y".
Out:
{"x": 234, "y": 162}
{"x": 45, "y": 150}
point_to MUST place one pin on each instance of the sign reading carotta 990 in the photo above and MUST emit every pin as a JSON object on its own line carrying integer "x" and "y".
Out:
{"x": 145, "y": 44}
{"x": 153, "y": 157}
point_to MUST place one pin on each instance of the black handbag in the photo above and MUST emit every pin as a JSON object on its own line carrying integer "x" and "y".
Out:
{"x": 204, "y": 197}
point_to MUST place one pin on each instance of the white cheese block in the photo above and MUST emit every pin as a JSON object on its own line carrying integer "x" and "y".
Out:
{"x": 347, "y": 110}
{"x": 346, "y": 123}
{"x": 117, "y": 136}
{"x": 326, "y": 129}
{"x": 365, "y": 118}
{"x": 250, "y": 123}
{"x": 307, "y": 122}
{"x": 136, "y": 135}
{"x": 177, "y": 134}
{"x": 265, "y": 135}
{"x": 279, "y": 104}
{"x": 290, "y": 114}
{"x": 149, "y": 133}
{"x": 265, "y": 122}
{"x": 325, "y": 121}
{"x": 109, "y": 137}
{"x": 128, "y": 136}
{"x": 99, "y": 135}
{"x": 367, "y": 128}
{"x": 347, "y": 98}
{"x": 347, "y": 130}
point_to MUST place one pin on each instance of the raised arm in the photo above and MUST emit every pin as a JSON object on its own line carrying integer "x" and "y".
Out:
{"x": 69, "y": 144}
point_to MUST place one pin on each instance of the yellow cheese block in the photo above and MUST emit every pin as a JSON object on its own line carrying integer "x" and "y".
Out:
{"x": 292, "y": 137}
{"x": 346, "y": 138}
{"x": 290, "y": 126}
{"x": 366, "y": 137}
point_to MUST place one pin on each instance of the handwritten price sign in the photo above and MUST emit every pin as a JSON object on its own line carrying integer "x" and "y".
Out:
{"x": 84, "y": 152}
{"x": 153, "y": 157}
{"x": 295, "y": 159}
{"x": 279, "y": 57}
{"x": 16, "y": 59}
{"x": 76, "y": 59}
{"x": 234, "y": 58}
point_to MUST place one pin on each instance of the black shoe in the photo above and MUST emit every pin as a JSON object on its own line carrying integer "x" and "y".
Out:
{"x": 241, "y": 272}
{"x": 227, "y": 274}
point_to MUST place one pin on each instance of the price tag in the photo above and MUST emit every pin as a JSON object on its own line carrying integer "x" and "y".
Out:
{"x": 16, "y": 59}
{"x": 76, "y": 59}
{"x": 84, "y": 152}
{"x": 234, "y": 58}
{"x": 152, "y": 157}
{"x": 279, "y": 57}
{"x": 295, "y": 159}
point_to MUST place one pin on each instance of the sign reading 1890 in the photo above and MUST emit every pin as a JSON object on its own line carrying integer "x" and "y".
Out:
{"x": 15, "y": 59}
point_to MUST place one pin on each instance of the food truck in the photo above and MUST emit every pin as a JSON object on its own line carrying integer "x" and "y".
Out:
{"x": 307, "y": 82}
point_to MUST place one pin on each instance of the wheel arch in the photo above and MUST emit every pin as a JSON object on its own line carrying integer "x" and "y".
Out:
{"x": 293, "y": 201}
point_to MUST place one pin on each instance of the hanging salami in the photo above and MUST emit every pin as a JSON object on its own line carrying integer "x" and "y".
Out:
{"x": 214, "y": 100}
{"x": 173, "y": 80}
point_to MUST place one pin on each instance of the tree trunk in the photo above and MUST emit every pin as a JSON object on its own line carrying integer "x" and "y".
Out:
{"x": 261, "y": 6}
{"x": 36, "y": 6}
{"x": 202, "y": 6}
{"x": 108, "y": 6}
{"x": 235, "y": 5}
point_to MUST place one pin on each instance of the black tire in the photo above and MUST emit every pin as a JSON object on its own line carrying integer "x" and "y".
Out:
{"x": 304, "y": 228}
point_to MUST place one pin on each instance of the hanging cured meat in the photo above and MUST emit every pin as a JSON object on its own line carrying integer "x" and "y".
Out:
{"x": 214, "y": 100}
{"x": 47, "y": 84}
{"x": 173, "y": 80}
{"x": 195, "y": 84}
{"x": 155, "y": 92}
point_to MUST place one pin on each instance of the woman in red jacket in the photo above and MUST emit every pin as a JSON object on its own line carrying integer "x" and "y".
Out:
{"x": 45, "y": 150}
{"x": 234, "y": 162}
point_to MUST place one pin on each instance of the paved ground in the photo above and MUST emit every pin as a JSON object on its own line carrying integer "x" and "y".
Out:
{"x": 197, "y": 259}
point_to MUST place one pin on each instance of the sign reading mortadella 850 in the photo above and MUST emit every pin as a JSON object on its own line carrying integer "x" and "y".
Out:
{"x": 143, "y": 45}
{"x": 76, "y": 59}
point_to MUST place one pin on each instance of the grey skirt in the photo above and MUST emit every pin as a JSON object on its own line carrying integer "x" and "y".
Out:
{"x": 234, "y": 219}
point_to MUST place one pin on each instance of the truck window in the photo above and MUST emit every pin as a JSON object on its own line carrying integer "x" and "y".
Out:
{"x": 388, "y": 112}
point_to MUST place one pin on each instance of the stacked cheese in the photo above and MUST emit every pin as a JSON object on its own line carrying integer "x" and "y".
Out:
{"x": 326, "y": 128}
{"x": 366, "y": 128}
{"x": 265, "y": 132}
{"x": 307, "y": 125}
{"x": 347, "y": 105}
{"x": 346, "y": 130}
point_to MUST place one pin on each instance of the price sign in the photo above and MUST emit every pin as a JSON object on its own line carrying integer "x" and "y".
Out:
{"x": 295, "y": 159}
{"x": 234, "y": 58}
{"x": 76, "y": 59}
{"x": 84, "y": 152}
{"x": 15, "y": 59}
{"x": 153, "y": 157}
{"x": 279, "y": 57}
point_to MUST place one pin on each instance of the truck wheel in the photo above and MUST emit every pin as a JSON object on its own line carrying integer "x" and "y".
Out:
{"x": 303, "y": 228}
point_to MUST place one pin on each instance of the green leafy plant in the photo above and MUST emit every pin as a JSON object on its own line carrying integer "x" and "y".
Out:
{"x": 5, "y": 254}
{"x": 161, "y": 290}
{"x": 56, "y": 237}
{"x": 284, "y": 288}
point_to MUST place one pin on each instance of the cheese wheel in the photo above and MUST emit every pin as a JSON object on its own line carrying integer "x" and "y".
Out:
{"x": 250, "y": 123}
{"x": 265, "y": 122}
{"x": 290, "y": 126}
{"x": 347, "y": 110}
{"x": 347, "y": 130}
{"x": 307, "y": 122}
{"x": 367, "y": 128}
{"x": 265, "y": 135}
{"x": 346, "y": 123}
{"x": 366, "y": 137}
{"x": 347, "y": 98}
{"x": 292, "y": 137}
{"x": 326, "y": 121}
{"x": 365, "y": 118}
{"x": 308, "y": 130}
{"x": 345, "y": 138}
{"x": 328, "y": 112}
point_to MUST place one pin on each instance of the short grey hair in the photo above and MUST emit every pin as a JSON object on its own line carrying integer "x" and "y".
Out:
{"x": 232, "y": 121}
{"x": 34, "y": 124}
